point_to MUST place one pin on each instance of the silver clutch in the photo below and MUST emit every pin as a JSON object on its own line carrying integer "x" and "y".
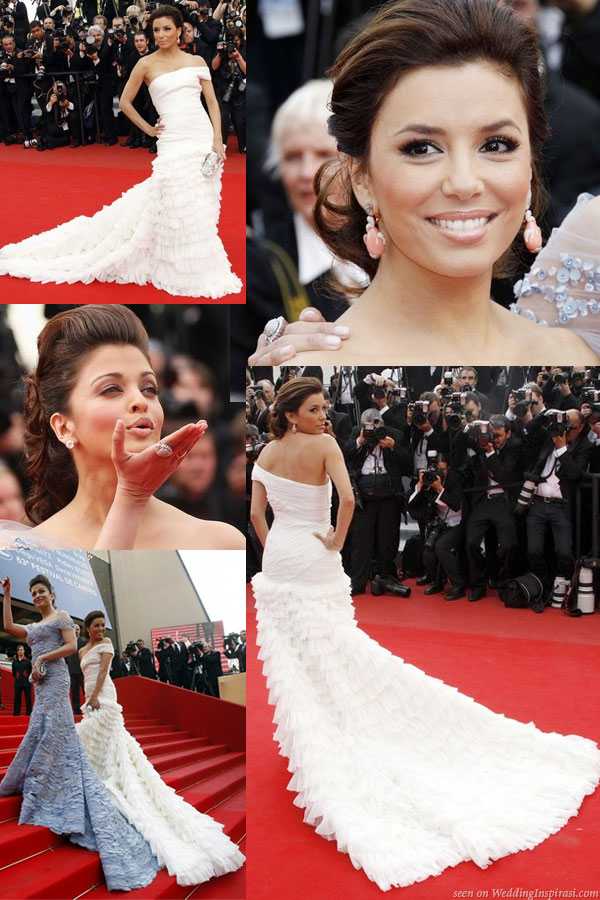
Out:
{"x": 41, "y": 669}
{"x": 209, "y": 166}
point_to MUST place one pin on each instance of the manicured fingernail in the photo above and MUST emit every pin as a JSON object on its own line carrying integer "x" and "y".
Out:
{"x": 332, "y": 341}
{"x": 287, "y": 351}
{"x": 342, "y": 330}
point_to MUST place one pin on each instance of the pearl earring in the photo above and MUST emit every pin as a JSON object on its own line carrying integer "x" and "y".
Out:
{"x": 70, "y": 443}
{"x": 374, "y": 238}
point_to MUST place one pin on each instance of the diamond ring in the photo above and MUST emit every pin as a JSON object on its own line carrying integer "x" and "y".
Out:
{"x": 163, "y": 449}
{"x": 274, "y": 329}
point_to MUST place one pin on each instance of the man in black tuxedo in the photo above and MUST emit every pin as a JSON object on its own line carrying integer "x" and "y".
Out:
{"x": 212, "y": 668}
{"x": 146, "y": 660}
{"x": 496, "y": 470}
{"x": 21, "y": 669}
{"x": 177, "y": 654}
{"x": 564, "y": 458}
{"x": 376, "y": 466}
{"x": 75, "y": 674}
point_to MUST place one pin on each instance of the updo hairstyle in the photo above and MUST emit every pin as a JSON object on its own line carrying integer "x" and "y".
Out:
{"x": 289, "y": 399}
{"x": 406, "y": 35}
{"x": 166, "y": 12}
{"x": 42, "y": 579}
{"x": 63, "y": 345}
{"x": 94, "y": 614}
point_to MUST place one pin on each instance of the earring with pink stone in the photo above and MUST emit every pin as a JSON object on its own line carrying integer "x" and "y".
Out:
{"x": 374, "y": 238}
{"x": 532, "y": 235}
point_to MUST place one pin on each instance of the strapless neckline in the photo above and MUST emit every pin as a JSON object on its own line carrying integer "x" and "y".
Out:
{"x": 173, "y": 71}
{"x": 291, "y": 480}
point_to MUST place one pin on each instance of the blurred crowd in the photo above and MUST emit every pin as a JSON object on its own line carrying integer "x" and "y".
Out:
{"x": 189, "y": 356}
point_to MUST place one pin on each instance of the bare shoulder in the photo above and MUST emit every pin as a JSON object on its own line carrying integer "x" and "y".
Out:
{"x": 199, "y": 63}
{"x": 174, "y": 529}
{"x": 107, "y": 641}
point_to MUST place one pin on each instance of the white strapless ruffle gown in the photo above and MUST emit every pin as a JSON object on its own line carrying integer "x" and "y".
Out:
{"x": 408, "y": 775}
{"x": 191, "y": 845}
{"x": 162, "y": 231}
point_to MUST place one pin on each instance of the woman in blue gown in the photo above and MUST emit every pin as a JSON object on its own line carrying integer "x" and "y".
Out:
{"x": 60, "y": 789}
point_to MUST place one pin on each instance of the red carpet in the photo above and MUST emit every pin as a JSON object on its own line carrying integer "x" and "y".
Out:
{"x": 543, "y": 668}
{"x": 209, "y": 775}
{"x": 42, "y": 190}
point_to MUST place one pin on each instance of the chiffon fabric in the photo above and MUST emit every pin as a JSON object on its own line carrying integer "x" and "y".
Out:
{"x": 15, "y": 536}
{"x": 562, "y": 287}
{"x": 162, "y": 231}
{"x": 405, "y": 773}
{"x": 60, "y": 789}
{"x": 191, "y": 845}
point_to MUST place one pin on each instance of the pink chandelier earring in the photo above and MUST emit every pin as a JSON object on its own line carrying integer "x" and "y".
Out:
{"x": 532, "y": 236}
{"x": 374, "y": 238}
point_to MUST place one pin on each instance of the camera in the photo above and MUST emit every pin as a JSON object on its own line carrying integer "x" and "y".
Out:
{"x": 480, "y": 431}
{"x": 120, "y": 32}
{"x": 523, "y": 395}
{"x": 526, "y": 494}
{"x": 131, "y": 648}
{"x": 558, "y": 422}
{"x": 560, "y": 378}
{"x": 373, "y": 433}
{"x": 591, "y": 396}
{"x": 434, "y": 532}
{"x": 399, "y": 394}
{"x": 90, "y": 45}
{"x": 455, "y": 410}
{"x": 420, "y": 411}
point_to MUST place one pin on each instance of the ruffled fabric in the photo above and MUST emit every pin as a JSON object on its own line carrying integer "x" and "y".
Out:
{"x": 405, "y": 773}
{"x": 60, "y": 789}
{"x": 162, "y": 231}
{"x": 191, "y": 845}
{"x": 562, "y": 287}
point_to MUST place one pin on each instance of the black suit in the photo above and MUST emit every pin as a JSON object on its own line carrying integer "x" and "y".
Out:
{"x": 375, "y": 529}
{"x": 494, "y": 509}
{"x": 21, "y": 669}
{"x": 76, "y": 676}
{"x": 556, "y": 514}
{"x": 146, "y": 663}
{"x": 446, "y": 550}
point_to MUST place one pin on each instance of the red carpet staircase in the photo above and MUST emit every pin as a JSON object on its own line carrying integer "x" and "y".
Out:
{"x": 35, "y": 863}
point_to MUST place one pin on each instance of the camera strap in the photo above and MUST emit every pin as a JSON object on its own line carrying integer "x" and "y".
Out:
{"x": 293, "y": 295}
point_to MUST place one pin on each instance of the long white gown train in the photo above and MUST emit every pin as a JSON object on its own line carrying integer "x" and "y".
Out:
{"x": 162, "y": 231}
{"x": 190, "y": 844}
{"x": 408, "y": 775}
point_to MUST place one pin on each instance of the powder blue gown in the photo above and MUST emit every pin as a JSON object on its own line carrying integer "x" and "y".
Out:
{"x": 60, "y": 788}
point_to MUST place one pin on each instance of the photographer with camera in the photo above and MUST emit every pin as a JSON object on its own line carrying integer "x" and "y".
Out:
{"x": 437, "y": 500}
{"x": 206, "y": 669}
{"x": 561, "y": 390}
{"x": 496, "y": 473}
{"x": 16, "y": 92}
{"x": 208, "y": 29}
{"x": 142, "y": 101}
{"x": 548, "y": 494}
{"x": 261, "y": 396}
{"x": 236, "y": 649}
{"x": 376, "y": 461}
{"x": 15, "y": 21}
{"x": 145, "y": 659}
{"x": 131, "y": 659}
{"x": 66, "y": 58}
{"x": 229, "y": 68}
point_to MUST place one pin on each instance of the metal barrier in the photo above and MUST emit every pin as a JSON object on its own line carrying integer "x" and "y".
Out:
{"x": 79, "y": 77}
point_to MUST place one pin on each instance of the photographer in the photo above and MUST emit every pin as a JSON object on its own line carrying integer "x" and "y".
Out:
{"x": 62, "y": 120}
{"x": 561, "y": 391}
{"x": 194, "y": 45}
{"x": 496, "y": 472}
{"x": 208, "y": 29}
{"x": 564, "y": 457}
{"x": 437, "y": 499}
{"x": 207, "y": 668}
{"x": 66, "y": 58}
{"x": 229, "y": 66}
{"x": 99, "y": 59}
{"x": 145, "y": 659}
{"x": 17, "y": 13}
{"x": 261, "y": 396}
{"x": 376, "y": 462}
{"x": 17, "y": 91}
{"x": 235, "y": 649}
{"x": 426, "y": 429}
{"x": 130, "y": 659}
{"x": 143, "y": 101}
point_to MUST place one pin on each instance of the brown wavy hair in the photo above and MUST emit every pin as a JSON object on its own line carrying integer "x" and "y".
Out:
{"x": 406, "y": 35}
{"x": 166, "y": 12}
{"x": 63, "y": 345}
{"x": 94, "y": 614}
{"x": 289, "y": 399}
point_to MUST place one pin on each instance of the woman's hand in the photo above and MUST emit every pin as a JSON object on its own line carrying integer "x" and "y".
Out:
{"x": 311, "y": 332}
{"x": 93, "y": 702}
{"x": 156, "y": 130}
{"x": 5, "y": 583}
{"x": 141, "y": 474}
{"x": 219, "y": 149}
{"x": 328, "y": 540}
{"x": 35, "y": 672}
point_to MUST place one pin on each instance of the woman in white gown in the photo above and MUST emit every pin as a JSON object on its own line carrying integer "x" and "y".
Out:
{"x": 190, "y": 845}
{"x": 155, "y": 232}
{"x": 407, "y": 775}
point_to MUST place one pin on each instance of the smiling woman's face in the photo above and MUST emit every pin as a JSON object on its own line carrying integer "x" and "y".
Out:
{"x": 449, "y": 168}
{"x": 115, "y": 382}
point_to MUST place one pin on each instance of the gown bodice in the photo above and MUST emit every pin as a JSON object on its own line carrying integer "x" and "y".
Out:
{"x": 90, "y": 666}
{"x": 176, "y": 97}
{"x": 292, "y": 551}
